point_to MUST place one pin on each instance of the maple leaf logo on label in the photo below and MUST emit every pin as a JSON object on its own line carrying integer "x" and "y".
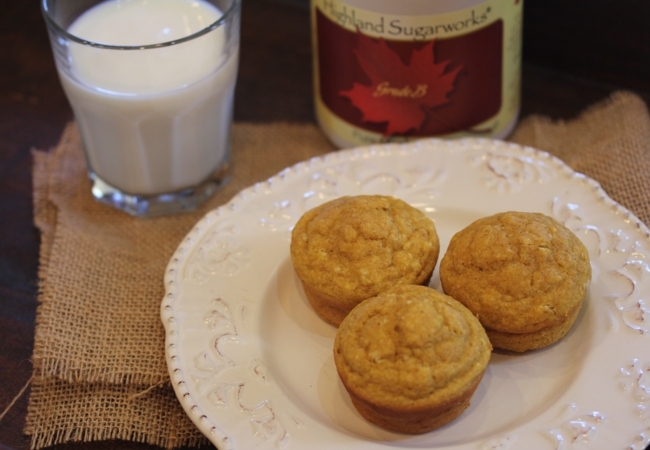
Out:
{"x": 402, "y": 95}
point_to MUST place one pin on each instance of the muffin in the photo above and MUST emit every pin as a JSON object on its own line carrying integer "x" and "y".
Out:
{"x": 352, "y": 248}
{"x": 411, "y": 358}
{"x": 524, "y": 275}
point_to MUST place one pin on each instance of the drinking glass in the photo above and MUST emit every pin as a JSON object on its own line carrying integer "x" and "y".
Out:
{"x": 154, "y": 117}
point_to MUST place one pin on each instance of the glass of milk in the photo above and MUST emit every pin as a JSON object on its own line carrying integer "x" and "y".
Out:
{"x": 151, "y": 84}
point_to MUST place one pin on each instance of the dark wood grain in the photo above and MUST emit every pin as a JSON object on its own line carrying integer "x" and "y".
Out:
{"x": 565, "y": 71}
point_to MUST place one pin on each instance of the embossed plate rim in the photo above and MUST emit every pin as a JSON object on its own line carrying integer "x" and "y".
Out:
{"x": 491, "y": 159}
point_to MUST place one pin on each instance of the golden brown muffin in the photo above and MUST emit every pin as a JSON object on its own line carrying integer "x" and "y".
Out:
{"x": 352, "y": 248}
{"x": 524, "y": 275}
{"x": 411, "y": 358}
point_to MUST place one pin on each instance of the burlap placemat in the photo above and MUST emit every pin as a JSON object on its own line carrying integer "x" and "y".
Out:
{"x": 99, "y": 362}
{"x": 609, "y": 142}
{"x": 100, "y": 370}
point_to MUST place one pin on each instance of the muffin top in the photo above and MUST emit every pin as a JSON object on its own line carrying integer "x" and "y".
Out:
{"x": 352, "y": 248}
{"x": 410, "y": 347}
{"x": 518, "y": 272}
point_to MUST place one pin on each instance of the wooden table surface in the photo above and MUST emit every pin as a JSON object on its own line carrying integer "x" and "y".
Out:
{"x": 274, "y": 85}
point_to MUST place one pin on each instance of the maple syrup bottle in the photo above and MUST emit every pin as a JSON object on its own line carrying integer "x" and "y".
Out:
{"x": 399, "y": 70}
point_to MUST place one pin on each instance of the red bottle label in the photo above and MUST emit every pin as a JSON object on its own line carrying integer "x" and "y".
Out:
{"x": 412, "y": 88}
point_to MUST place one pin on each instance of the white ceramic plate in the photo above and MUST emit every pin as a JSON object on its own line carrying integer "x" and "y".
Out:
{"x": 251, "y": 362}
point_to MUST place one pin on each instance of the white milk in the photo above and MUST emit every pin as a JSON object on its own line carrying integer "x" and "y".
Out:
{"x": 157, "y": 120}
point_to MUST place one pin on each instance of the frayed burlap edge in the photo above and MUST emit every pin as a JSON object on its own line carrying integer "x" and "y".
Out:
{"x": 81, "y": 400}
{"x": 107, "y": 412}
{"x": 101, "y": 411}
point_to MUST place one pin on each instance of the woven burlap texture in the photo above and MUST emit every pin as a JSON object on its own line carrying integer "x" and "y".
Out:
{"x": 609, "y": 142}
{"x": 99, "y": 363}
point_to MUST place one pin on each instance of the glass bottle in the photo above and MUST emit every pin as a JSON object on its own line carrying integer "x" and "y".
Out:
{"x": 399, "y": 70}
